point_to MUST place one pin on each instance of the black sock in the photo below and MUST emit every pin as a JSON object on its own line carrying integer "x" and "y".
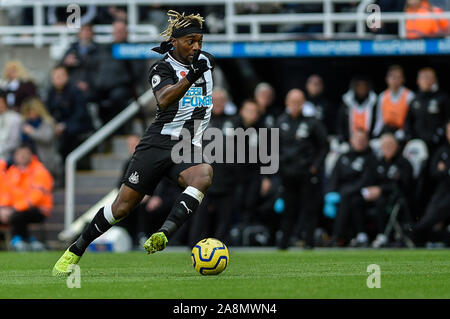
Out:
{"x": 96, "y": 228}
{"x": 185, "y": 206}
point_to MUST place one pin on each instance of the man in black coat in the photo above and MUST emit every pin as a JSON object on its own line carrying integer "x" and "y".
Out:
{"x": 81, "y": 61}
{"x": 67, "y": 105}
{"x": 303, "y": 147}
{"x": 352, "y": 173}
{"x": 393, "y": 179}
{"x": 428, "y": 112}
{"x": 438, "y": 209}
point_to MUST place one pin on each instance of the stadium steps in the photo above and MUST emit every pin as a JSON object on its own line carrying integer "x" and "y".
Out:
{"x": 90, "y": 187}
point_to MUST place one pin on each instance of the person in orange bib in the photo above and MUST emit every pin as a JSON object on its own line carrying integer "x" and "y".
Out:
{"x": 424, "y": 27}
{"x": 27, "y": 197}
{"x": 357, "y": 111}
{"x": 393, "y": 104}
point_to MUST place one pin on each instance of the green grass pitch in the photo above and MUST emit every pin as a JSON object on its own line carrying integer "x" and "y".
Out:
{"x": 250, "y": 274}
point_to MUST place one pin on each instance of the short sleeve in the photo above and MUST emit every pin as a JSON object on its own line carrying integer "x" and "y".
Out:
{"x": 161, "y": 74}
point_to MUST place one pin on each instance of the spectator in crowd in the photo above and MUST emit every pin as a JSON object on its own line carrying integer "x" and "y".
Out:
{"x": 352, "y": 173}
{"x": 424, "y": 27}
{"x": 67, "y": 105}
{"x": 10, "y": 123}
{"x": 393, "y": 104}
{"x": 116, "y": 80}
{"x": 248, "y": 182}
{"x": 437, "y": 212}
{"x": 393, "y": 179}
{"x": 221, "y": 99}
{"x": 303, "y": 147}
{"x": 81, "y": 61}
{"x": 28, "y": 199}
{"x": 323, "y": 109}
{"x": 38, "y": 130}
{"x": 264, "y": 95}
{"x": 17, "y": 84}
{"x": 357, "y": 111}
{"x": 214, "y": 216}
{"x": 428, "y": 112}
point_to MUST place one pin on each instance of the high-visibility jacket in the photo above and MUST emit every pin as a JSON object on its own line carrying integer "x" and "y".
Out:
{"x": 29, "y": 188}
{"x": 3, "y": 183}
{"x": 394, "y": 112}
{"x": 426, "y": 27}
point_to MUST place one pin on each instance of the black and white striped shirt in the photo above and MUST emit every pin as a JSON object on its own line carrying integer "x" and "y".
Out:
{"x": 195, "y": 105}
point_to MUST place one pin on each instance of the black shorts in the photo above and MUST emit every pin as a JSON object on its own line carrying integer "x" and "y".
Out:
{"x": 150, "y": 164}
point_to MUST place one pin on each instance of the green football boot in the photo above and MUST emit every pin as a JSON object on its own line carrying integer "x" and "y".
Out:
{"x": 62, "y": 266}
{"x": 155, "y": 243}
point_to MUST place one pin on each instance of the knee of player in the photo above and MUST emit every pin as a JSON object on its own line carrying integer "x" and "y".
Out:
{"x": 202, "y": 178}
{"x": 121, "y": 209}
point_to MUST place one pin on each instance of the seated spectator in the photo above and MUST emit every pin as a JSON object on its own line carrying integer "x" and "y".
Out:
{"x": 28, "y": 198}
{"x": 81, "y": 61}
{"x": 357, "y": 111}
{"x": 323, "y": 109}
{"x": 38, "y": 130}
{"x": 425, "y": 27}
{"x": 392, "y": 180}
{"x": 67, "y": 106}
{"x": 116, "y": 80}
{"x": 437, "y": 212}
{"x": 428, "y": 112}
{"x": 17, "y": 84}
{"x": 352, "y": 173}
{"x": 10, "y": 123}
{"x": 393, "y": 104}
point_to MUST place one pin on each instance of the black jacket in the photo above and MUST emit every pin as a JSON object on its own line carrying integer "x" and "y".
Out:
{"x": 394, "y": 176}
{"x": 428, "y": 113}
{"x": 69, "y": 107}
{"x": 86, "y": 69}
{"x": 441, "y": 177}
{"x": 352, "y": 172}
{"x": 224, "y": 177}
{"x": 303, "y": 143}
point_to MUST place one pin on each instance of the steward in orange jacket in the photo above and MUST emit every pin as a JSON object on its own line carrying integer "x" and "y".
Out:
{"x": 425, "y": 27}
{"x": 3, "y": 184}
{"x": 27, "y": 186}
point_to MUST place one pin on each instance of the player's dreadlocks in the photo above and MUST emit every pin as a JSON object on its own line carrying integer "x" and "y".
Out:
{"x": 181, "y": 21}
{"x": 179, "y": 26}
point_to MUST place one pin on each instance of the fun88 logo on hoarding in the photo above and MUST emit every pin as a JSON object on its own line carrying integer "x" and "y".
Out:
{"x": 194, "y": 97}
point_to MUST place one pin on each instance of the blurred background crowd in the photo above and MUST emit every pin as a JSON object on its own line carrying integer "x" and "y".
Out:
{"x": 369, "y": 168}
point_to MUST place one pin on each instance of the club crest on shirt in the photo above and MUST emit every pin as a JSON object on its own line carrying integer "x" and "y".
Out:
{"x": 134, "y": 178}
{"x": 156, "y": 79}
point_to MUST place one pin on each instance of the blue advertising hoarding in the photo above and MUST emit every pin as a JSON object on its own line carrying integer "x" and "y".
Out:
{"x": 299, "y": 49}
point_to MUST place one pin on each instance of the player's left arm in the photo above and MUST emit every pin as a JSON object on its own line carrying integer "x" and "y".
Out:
{"x": 171, "y": 93}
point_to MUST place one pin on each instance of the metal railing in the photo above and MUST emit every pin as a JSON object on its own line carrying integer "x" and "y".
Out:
{"x": 88, "y": 145}
{"x": 40, "y": 34}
